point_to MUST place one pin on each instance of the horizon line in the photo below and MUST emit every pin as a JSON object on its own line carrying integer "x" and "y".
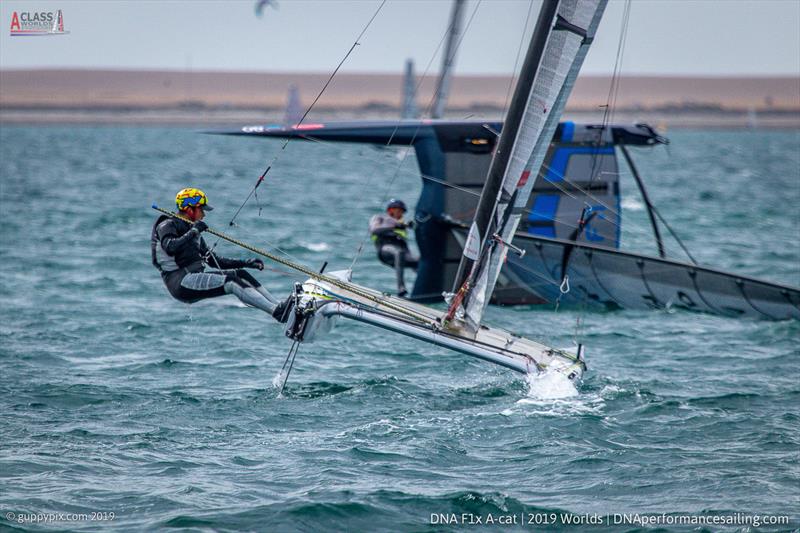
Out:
{"x": 379, "y": 73}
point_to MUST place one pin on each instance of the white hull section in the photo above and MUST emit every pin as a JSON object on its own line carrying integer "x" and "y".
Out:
{"x": 319, "y": 304}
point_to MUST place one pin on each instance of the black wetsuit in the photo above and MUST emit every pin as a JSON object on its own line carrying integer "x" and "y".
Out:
{"x": 181, "y": 255}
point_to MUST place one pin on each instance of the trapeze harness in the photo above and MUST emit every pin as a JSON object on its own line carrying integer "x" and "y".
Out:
{"x": 180, "y": 254}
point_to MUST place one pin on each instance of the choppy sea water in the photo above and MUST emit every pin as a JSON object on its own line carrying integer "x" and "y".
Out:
{"x": 116, "y": 399}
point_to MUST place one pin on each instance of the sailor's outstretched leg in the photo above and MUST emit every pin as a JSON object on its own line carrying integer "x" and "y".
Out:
{"x": 242, "y": 285}
{"x": 248, "y": 279}
{"x": 399, "y": 270}
{"x": 250, "y": 296}
{"x": 393, "y": 256}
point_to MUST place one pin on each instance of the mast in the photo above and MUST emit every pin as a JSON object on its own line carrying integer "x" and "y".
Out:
{"x": 516, "y": 110}
{"x": 449, "y": 59}
{"x": 409, "y": 96}
{"x": 560, "y": 42}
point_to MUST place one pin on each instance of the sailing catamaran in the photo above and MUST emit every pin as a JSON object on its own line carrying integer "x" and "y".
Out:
{"x": 559, "y": 43}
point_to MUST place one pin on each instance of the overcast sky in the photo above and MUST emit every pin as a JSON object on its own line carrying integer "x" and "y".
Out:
{"x": 705, "y": 37}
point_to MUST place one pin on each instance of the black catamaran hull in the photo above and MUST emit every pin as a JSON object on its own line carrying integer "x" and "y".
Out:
{"x": 613, "y": 279}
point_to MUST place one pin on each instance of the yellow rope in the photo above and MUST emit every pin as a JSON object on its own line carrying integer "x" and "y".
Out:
{"x": 302, "y": 268}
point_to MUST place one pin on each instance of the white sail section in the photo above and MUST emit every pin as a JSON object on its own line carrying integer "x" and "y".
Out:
{"x": 564, "y": 52}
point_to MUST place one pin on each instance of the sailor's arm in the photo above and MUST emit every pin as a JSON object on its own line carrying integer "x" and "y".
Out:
{"x": 382, "y": 226}
{"x": 224, "y": 263}
{"x": 171, "y": 241}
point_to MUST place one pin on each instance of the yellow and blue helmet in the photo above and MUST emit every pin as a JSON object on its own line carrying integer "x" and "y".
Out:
{"x": 192, "y": 197}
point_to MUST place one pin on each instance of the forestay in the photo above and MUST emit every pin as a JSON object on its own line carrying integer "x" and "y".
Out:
{"x": 566, "y": 29}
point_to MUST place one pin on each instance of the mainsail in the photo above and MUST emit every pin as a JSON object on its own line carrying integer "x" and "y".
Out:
{"x": 558, "y": 47}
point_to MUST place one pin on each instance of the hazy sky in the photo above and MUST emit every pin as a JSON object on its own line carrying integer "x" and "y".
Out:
{"x": 705, "y": 37}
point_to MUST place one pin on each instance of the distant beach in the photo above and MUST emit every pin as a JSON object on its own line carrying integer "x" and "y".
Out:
{"x": 184, "y": 97}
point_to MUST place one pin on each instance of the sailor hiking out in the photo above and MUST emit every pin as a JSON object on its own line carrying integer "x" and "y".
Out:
{"x": 390, "y": 234}
{"x": 182, "y": 256}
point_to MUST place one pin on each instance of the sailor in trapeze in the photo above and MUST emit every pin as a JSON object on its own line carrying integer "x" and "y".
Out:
{"x": 183, "y": 257}
{"x": 390, "y": 235}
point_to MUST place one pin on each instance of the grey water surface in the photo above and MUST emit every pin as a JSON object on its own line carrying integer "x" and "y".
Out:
{"x": 114, "y": 398}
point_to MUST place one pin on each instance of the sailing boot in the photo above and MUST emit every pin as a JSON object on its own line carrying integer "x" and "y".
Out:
{"x": 281, "y": 312}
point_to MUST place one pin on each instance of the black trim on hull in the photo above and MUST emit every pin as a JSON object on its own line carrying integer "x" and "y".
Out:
{"x": 740, "y": 284}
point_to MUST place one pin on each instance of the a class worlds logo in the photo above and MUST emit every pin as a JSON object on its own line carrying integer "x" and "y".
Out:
{"x": 37, "y": 23}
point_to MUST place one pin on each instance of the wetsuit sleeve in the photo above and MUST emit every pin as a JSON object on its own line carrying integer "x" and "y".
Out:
{"x": 170, "y": 241}
{"x": 224, "y": 263}
{"x": 217, "y": 261}
{"x": 382, "y": 226}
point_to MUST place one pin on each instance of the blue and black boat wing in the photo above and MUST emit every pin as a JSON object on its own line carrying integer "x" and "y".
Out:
{"x": 580, "y": 167}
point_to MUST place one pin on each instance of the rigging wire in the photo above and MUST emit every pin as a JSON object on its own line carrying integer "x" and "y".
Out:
{"x": 621, "y": 53}
{"x": 586, "y": 192}
{"x": 672, "y": 232}
{"x": 308, "y": 110}
{"x": 427, "y": 111}
{"x": 516, "y": 62}
{"x": 607, "y": 114}
{"x": 573, "y": 225}
{"x": 613, "y": 90}
{"x": 418, "y": 85}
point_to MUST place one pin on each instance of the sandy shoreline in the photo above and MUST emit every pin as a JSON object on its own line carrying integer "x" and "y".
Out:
{"x": 228, "y": 98}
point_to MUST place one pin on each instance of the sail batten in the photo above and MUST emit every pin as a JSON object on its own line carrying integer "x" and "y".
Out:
{"x": 558, "y": 46}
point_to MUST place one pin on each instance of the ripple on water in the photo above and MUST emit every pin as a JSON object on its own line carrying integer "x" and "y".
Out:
{"x": 115, "y": 397}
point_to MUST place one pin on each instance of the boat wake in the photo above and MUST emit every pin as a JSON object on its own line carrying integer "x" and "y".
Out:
{"x": 553, "y": 394}
{"x": 550, "y": 386}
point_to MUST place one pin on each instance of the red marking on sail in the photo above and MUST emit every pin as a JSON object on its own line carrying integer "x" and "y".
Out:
{"x": 523, "y": 179}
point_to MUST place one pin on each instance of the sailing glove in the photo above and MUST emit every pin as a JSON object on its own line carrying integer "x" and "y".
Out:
{"x": 199, "y": 226}
{"x": 255, "y": 263}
